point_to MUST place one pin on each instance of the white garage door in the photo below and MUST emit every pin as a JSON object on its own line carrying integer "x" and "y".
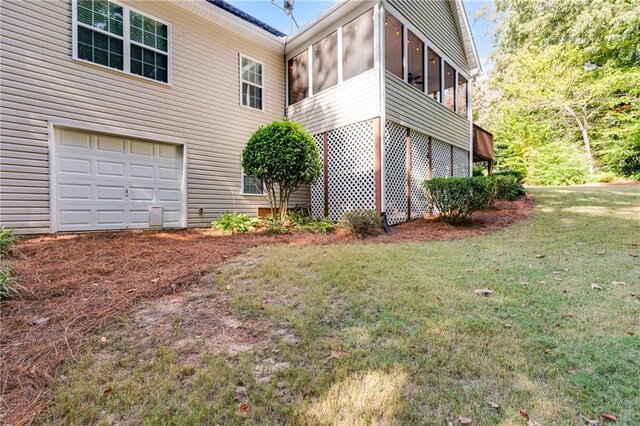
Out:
{"x": 106, "y": 182}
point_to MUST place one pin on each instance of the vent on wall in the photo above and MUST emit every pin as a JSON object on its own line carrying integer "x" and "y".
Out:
{"x": 155, "y": 216}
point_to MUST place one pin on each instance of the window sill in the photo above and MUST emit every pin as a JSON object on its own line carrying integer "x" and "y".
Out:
{"x": 121, "y": 72}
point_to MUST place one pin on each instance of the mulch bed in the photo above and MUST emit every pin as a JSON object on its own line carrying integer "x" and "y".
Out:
{"x": 74, "y": 285}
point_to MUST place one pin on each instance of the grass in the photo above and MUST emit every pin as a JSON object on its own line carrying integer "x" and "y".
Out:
{"x": 396, "y": 334}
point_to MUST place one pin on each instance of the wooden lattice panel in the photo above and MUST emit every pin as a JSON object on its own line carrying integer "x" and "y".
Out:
{"x": 441, "y": 152}
{"x": 419, "y": 173}
{"x": 460, "y": 162}
{"x": 351, "y": 168}
{"x": 317, "y": 189}
{"x": 395, "y": 172}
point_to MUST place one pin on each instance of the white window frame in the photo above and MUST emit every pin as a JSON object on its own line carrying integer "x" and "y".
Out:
{"x": 249, "y": 194}
{"x": 126, "y": 41}
{"x": 242, "y": 56}
{"x": 443, "y": 58}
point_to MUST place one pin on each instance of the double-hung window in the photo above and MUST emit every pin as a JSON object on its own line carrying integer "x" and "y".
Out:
{"x": 251, "y": 78}
{"x": 109, "y": 34}
{"x": 251, "y": 185}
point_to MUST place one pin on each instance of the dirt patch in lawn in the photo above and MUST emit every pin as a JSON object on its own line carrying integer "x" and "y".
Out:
{"x": 73, "y": 285}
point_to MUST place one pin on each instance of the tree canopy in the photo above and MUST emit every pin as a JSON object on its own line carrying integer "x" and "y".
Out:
{"x": 562, "y": 96}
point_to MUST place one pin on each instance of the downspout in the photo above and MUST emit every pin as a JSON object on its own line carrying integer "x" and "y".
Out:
{"x": 286, "y": 76}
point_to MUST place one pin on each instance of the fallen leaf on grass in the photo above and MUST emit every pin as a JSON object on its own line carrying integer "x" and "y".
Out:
{"x": 508, "y": 326}
{"x": 523, "y": 413}
{"x": 465, "y": 420}
{"x": 483, "y": 291}
{"x": 493, "y": 405}
{"x": 601, "y": 253}
{"x": 240, "y": 393}
{"x": 469, "y": 270}
{"x": 540, "y": 256}
{"x": 103, "y": 339}
{"x": 633, "y": 255}
{"x": 39, "y": 321}
{"x": 593, "y": 422}
{"x": 337, "y": 354}
{"x": 243, "y": 409}
{"x": 595, "y": 287}
{"x": 610, "y": 417}
{"x": 107, "y": 390}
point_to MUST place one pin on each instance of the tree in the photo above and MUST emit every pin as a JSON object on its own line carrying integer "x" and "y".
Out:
{"x": 564, "y": 86}
{"x": 284, "y": 156}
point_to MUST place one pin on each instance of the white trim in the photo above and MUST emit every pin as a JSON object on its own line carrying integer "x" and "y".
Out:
{"x": 339, "y": 48}
{"x": 242, "y": 56}
{"x": 126, "y": 42}
{"x": 469, "y": 109}
{"x": 54, "y": 126}
{"x": 380, "y": 13}
{"x": 462, "y": 15}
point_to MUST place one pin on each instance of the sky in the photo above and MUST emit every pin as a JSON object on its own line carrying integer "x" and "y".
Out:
{"x": 306, "y": 10}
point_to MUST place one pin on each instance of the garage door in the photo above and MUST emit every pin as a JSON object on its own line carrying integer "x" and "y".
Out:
{"x": 106, "y": 182}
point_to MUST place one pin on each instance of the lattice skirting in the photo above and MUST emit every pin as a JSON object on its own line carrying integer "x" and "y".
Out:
{"x": 350, "y": 167}
{"x": 460, "y": 162}
{"x": 419, "y": 173}
{"x": 317, "y": 189}
{"x": 403, "y": 193}
{"x": 395, "y": 172}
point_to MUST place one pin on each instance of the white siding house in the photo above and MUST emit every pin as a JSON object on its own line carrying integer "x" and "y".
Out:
{"x": 133, "y": 114}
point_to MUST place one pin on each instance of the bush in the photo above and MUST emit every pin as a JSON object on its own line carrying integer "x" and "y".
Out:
{"x": 506, "y": 187}
{"x": 304, "y": 223}
{"x": 7, "y": 239}
{"x": 361, "y": 222}
{"x": 604, "y": 177}
{"x": 276, "y": 227}
{"x": 479, "y": 171}
{"x": 235, "y": 223}
{"x": 8, "y": 290}
{"x": 284, "y": 156}
{"x": 456, "y": 198}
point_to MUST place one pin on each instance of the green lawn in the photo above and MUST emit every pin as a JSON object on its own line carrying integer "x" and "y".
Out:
{"x": 394, "y": 333}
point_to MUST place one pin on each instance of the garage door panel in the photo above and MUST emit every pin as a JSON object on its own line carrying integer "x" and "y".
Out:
{"x": 141, "y": 194}
{"x": 74, "y": 191}
{"x": 142, "y": 148}
{"x": 74, "y": 217}
{"x": 141, "y": 171}
{"x": 106, "y": 183}
{"x": 74, "y": 165}
{"x": 107, "y": 143}
{"x": 110, "y": 193}
{"x": 111, "y": 217}
{"x": 108, "y": 168}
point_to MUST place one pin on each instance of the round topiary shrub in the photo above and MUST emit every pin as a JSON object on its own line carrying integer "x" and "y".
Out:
{"x": 284, "y": 156}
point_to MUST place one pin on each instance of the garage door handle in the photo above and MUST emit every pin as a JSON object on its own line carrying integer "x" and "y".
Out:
{"x": 126, "y": 193}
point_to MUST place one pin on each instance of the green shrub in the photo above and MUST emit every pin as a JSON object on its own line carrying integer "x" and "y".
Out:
{"x": 7, "y": 239}
{"x": 456, "y": 198}
{"x": 235, "y": 223}
{"x": 361, "y": 222}
{"x": 275, "y": 226}
{"x": 8, "y": 289}
{"x": 479, "y": 171}
{"x": 284, "y": 156}
{"x": 604, "y": 177}
{"x": 302, "y": 222}
{"x": 505, "y": 187}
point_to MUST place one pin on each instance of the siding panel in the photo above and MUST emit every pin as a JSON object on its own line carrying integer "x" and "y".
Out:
{"x": 353, "y": 101}
{"x": 407, "y": 106}
{"x": 42, "y": 83}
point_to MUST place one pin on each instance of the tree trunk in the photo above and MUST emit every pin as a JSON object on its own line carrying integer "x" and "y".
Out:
{"x": 584, "y": 129}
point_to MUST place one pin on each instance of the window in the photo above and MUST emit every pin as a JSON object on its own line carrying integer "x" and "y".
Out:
{"x": 101, "y": 37}
{"x": 357, "y": 46}
{"x": 462, "y": 96}
{"x": 251, "y": 185}
{"x": 449, "y": 86}
{"x": 251, "y": 79}
{"x": 325, "y": 63}
{"x": 415, "y": 53}
{"x": 434, "y": 74}
{"x": 298, "y": 77}
{"x": 393, "y": 46}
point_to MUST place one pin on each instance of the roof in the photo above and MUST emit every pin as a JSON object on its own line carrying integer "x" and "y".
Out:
{"x": 246, "y": 17}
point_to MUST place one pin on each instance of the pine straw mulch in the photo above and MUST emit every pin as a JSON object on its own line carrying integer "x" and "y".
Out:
{"x": 74, "y": 285}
